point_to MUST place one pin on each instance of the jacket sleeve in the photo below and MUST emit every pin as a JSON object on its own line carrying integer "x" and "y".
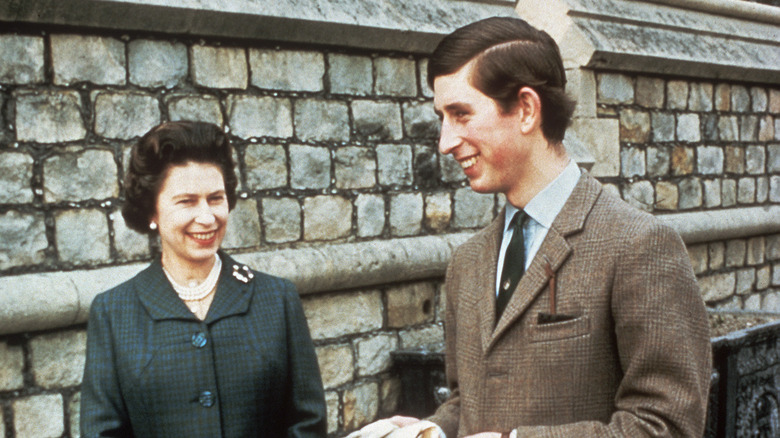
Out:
{"x": 662, "y": 336}
{"x": 103, "y": 412}
{"x": 306, "y": 402}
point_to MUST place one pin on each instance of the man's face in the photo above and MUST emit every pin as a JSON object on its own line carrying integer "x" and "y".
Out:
{"x": 485, "y": 141}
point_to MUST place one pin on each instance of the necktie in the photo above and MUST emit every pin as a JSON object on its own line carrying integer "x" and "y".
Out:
{"x": 514, "y": 263}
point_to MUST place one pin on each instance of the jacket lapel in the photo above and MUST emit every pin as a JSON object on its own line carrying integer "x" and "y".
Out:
{"x": 486, "y": 289}
{"x": 233, "y": 290}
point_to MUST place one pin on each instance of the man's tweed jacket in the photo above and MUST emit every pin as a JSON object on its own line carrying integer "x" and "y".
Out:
{"x": 154, "y": 370}
{"x": 631, "y": 358}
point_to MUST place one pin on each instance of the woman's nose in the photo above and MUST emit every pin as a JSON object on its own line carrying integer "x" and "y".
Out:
{"x": 205, "y": 215}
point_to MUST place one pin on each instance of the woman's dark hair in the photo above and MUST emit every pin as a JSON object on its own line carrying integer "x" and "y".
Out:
{"x": 170, "y": 144}
{"x": 509, "y": 54}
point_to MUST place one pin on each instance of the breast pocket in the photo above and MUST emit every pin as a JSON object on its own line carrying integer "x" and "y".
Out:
{"x": 557, "y": 330}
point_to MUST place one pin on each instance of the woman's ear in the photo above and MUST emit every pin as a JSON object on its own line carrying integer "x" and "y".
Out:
{"x": 529, "y": 109}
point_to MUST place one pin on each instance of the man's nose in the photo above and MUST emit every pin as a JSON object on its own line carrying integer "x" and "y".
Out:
{"x": 448, "y": 138}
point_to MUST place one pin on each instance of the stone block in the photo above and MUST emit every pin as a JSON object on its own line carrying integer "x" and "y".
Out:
{"x": 662, "y": 126}
{"x": 411, "y": 304}
{"x": 281, "y": 219}
{"x": 24, "y": 239}
{"x": 746, "y": 190}
{"x": 722, "y": 97}
{"x": 471, "y": 209}
{"x": 406, "y": 213}
{"x": 125, "y": 115}
{"x": 202, "y": 108}
{"x": 666, "y": 195}
{"x": 350, "y": 74}
{"x": 38, "y": 416}
{"x": 253, "y": 116}
{"x": 603, "y": 138}
{"x": 451, "y": 171}
{"x": 79, "y": 175}
{"x": 682, "y": 160}
{"x": 265, "y": 166}
{"x": 11, "y": 367}
{"x": 763, "y": 277}
{"x": 49, "y": 116}
{"x": 2, "y": 424}
{"x": 756, "y": 250}
{"x": 774, "y": 101}
{"x": 155, "y": 64}
{"x": 77, "y": 246}
{"x": 728, "y": 192}
{"x": 422, "y": 69}
{"x": 740, "y": 99}
{"x": 688, "y": 128}
{"x": 634, "y": 126}
{"x": 755, "y": 160}
{"x": 700, "y": 98}
{"x": 74, "y": 412}
{"x": 717, "y": 255}
{"x": 243, "y": 229}
{"x": 709, "y": 124}
{"x": 776, "y": 274}
{"x": 766, "y": 128}
{"x": 324, "y": 120}
{"x": 709, "y": 160}
{"x": 333, "y": 411}
{"x": 426, "y": 335}
{"x": 735, "y": 159}
{"x": 129, "y": 244}
{"x": 389, "y": 396}
{"x": 395, "y": 77}
{"x": 771, "y": 302}
{"x": 711, "y": 193}
{"x": 336, "y": 365}
{"x": 650, "y": 92}
{"x": 420, "y": 121}
{"x": 699, "y": 258}
{"x": 370, "y": 215}
{"x": 773, "y": 247}
{"x": 85, "y": 58}
{"x": 355, "y": 167}
{"x": 21, "y": 59}
{"x": 16, "y": 173}
{"x": 287, "y": 69}
{"x": 735, "y": 253}
{"x": 748, "y": 129}
{"x": 377, "y": 120}
{"x": 640, "y": 194}
{"x": 759, "y": 99}
{"x": 326, "y": 217}
{"x": 394, "y": 163}
{"x": 426, "y": 169}
{"x": 717, "y": 287}
{"x": 728, "y": 128}
{"x": 334, "y": 315}
{"x": 746, "y": 279}
{"x": 677, "y": 95}
{"x": 361, "y": 404}
{"x": 57, "y": 359}
{"x": 777, "y": 128}
{"x": 690, "y": 193}
{"x": 752, "y": 302}
{"x": 762, "y": 189}
{"x": 632, "y": 162}
{"x": 774, "y": 188}
{"x": 658, "y": 161}
{"x": 309, "y": 167}
{"x": 438, "y": 211}
{"x": 773, "y": 158}
{"x": 581, "y": 86}
{"x": 373, "y": 354}
{"x": 615, "y": 88}
{"x": 219, "y": 67}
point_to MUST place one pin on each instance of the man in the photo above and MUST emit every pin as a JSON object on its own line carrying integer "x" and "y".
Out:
{"x": 589, "y": 322}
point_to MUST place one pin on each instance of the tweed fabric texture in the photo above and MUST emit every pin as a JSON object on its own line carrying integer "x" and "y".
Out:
{"x": 154, "y": 370}
{"x": 628, "y": 356}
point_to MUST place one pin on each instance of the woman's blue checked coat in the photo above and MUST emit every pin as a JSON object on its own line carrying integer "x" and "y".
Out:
{"x": 248, "y": 369}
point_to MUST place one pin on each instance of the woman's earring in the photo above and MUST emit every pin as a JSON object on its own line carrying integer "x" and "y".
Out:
{"x": 152, "y": 226}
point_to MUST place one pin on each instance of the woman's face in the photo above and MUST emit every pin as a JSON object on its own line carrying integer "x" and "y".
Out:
{"x": 192, "y": 214}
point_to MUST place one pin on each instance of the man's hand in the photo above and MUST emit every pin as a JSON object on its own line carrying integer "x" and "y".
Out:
{"x": 486, "y": 435}
{"x": 398, "y": 427}
{"x": 401, "y": 421}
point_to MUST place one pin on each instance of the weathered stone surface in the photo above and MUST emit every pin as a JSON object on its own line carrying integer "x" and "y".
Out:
{"x": 718, "y": 286}
{"x": 321, "y": 120}
{"x": 422, "y": 70}
{"x": 360, "y": 405}
{"x": 717, "y": 253}
{"x": 709, "y": 122}
{"x": 438, "y": 211}
{"x": 336, "y": 365}
{"x": 350, "y": 74}
{"x": 634, "y": 126}
{"x": 752, "y": 302}
{"x": 746, "y": 279}
{"x": 748, "y": 130}
{"x": 663, "y": 127}
{"x": 699, "y": 258}
{"x": 774, "y": 101}
{"x": 471, "y": 209}
{"x": 682, "y": 160}
{"x": 251, "y": 116}
{"x": 16, "y": 171}
{"x": 420, "y": 121}
{"x": 309, "y": 167}
{"x": 370, "y": 215}
{"x": 125, "y": 115}
{"x": 332, "y": 407}
{"x": 603, "y": 139}
{"x": 427, "y": 335}
{"x": 774, "y": 188}
{"x": 773, "y": 247}
{"x": 709, "y": 160}
{"x": 450, "y": 169}
{"x": 773, "y": 158}
{"x": 373, "y": 354}
{"x": 728, "y": 128}
{"x": 39, "y": 416}
{"x": 243, "y": 226}
{"x": 79, "y": 175}
{"x": 266, "y": 166}
{"x": 688, "y": 129}
{"x": 615, "y": 89}
{"x": 21, "y": 59}
{"x": 377, "y": 120}
{"x": 728, "y": 191}
{"x": 700, "y": 98}
{"x": 658, "y": 161}
{"x": 287, "y": 70}
{"x": 48, "y": 116}
{"x": 155, "y": 64}
{"x": 690, "y": 193}
{"x": 632, "y": 162}
{"x": 84, "y": 58}
{"x": 677, "y": 94}
{"x": 755, "y": 160}
{"x": 740, "y": 99}
{"x": 711, "y": 193}
{"x": 24, "y": 239}
{"x": 722, "y": 97}
{"x": 735, "y": 159}
{"x": 650, "y": 92}
{"x": 776, "y": 276}
{"x": 640, "y": 194}
{"x": 326, "y": 217}
{"x": 394, "y": 162}
{"x": 129, "y": 244}
{"x": 746, "y": 190}
{"x": 735, "y": 253}
{"x": 74, "y": 243}
{"x": 426, "y": 169}
{"x": 389, "y": 396}
{"x": 219, "y": 67}
{"x": 355, "y": 168}
{"x": 201, "y": 108}
{"x": 666, "y": 195}
{"x": 763, "y": 277}
{"x": 395, "y": 77}
{"x": 281, "y": 219}
{"x": 766, "y": 128}
{"x": 74, "y": 412}
{"x": 410, "y": 305}
{"x": 771, "y": 302}
{"x": 762, "y": 189}
{"x": 11, "y": 367}
{"x": 331, "y": 316}
{"x": 58, "y": 358}
{"x": 406, "y": 213}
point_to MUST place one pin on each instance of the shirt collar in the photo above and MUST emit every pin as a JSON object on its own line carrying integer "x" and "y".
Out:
{"x": 545, "y": 206}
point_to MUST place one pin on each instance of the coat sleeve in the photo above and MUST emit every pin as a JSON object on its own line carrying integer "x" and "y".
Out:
{"x": 306, "y": 403}
{"x": 662, "y": 337}
{"x": 103, "y": 412}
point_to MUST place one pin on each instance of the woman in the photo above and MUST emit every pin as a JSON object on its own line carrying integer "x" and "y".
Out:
{"x": 196, "y": 345}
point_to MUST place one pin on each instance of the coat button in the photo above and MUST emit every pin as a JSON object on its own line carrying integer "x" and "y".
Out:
{"x": 206, "y": 399}
{"x": 199, "y": 340}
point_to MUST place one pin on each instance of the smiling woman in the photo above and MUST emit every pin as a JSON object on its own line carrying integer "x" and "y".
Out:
{"x": 196, "y": 345}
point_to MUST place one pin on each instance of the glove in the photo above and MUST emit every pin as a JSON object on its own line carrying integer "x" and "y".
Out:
{"x": 387, "y": 429}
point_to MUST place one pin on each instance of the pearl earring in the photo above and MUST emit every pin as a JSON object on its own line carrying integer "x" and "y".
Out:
{"x": 152, "y": 226}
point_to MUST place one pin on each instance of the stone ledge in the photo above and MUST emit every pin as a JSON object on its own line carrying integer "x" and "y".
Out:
{"x": 409, "y": 25}
{"x": 41, "y": 301}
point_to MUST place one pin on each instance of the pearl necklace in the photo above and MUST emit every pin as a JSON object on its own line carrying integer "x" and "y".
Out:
{"x": 197, "y": 291}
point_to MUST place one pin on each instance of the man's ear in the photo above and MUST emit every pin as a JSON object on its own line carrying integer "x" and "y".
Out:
{"x": 529, "y": 109}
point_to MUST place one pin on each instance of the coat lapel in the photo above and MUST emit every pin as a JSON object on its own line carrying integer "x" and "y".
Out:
{"x": 486, "y": 289}
{"x": 233, "y": 290}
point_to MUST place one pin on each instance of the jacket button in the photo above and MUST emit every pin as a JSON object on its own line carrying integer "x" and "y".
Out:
{"x": 206, "y": 399}
{"x": 199, "y": 340}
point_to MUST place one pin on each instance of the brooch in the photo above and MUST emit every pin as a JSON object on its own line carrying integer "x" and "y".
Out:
{"x": 243, "y": 273}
